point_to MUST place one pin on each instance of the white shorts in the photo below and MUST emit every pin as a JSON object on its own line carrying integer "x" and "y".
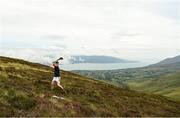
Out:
{"x": 56, "y": 79}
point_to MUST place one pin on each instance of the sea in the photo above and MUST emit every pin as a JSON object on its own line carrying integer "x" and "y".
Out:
{"x": 102, "y": 66}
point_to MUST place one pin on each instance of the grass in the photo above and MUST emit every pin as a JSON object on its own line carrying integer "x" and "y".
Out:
{"x": 167, "y": 85}
{"x": 162, "y": 80}
{"x": 25, "y": 91}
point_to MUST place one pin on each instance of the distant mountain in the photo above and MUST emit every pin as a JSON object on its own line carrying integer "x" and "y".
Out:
{"x": 169, "y": 61}
{"x": 98, "y": 59}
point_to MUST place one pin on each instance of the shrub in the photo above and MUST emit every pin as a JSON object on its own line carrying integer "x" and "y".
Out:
{"x": 22, "y": 102}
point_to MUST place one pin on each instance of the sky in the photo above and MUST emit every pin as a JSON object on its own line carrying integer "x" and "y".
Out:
{"x": 42, "y": 30}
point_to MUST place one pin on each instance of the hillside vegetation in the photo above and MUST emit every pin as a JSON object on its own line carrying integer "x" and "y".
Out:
{"x": 162, "y": 78}
{"x": 25, "y": 91}
{"x": 167, "y": 85}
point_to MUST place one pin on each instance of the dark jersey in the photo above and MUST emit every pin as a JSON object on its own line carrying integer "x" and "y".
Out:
{"x": 56, "y": 71}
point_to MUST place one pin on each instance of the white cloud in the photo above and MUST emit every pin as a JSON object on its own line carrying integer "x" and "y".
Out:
{"x": 144, "y": 29}
{"x": 44, "y": 56}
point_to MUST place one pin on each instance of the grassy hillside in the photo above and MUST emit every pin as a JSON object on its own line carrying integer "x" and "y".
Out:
{"x": 163, "y": 80}
{"x": 25, "y": 91}
{"x": 167, "y": 85}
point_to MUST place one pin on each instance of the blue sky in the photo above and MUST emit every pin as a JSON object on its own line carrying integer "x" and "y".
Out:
{"x": 132, "y": 29}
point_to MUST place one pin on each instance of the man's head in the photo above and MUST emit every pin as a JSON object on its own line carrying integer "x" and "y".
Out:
{"x": 56, "y": 63}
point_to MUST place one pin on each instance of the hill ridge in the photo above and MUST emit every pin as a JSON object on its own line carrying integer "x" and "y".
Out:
{"x": 169, "y": 61}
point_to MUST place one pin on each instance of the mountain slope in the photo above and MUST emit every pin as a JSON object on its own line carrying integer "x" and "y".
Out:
{"x": 25, "y": 91}
{"x": 161, "y": 78}
{"x": 167, "y": 85}
{"x": 169, "y": 61}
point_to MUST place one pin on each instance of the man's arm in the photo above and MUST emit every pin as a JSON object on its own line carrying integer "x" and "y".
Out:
{"x": 52, "y": 65}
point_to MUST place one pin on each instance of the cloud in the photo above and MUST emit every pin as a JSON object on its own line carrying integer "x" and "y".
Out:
{"x": 143, "y": 27}
{"x": 44, "y": 56}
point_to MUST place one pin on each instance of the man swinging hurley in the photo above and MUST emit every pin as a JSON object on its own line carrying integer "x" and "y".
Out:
{"x": 57, "y": 75}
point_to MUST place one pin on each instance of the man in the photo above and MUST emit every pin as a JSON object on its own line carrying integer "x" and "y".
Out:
{"x": 57, "y": 76}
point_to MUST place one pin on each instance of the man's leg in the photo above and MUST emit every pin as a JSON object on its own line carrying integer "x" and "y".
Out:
{"x": 59, "y": 85}
{"x": 52, "y": 84}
